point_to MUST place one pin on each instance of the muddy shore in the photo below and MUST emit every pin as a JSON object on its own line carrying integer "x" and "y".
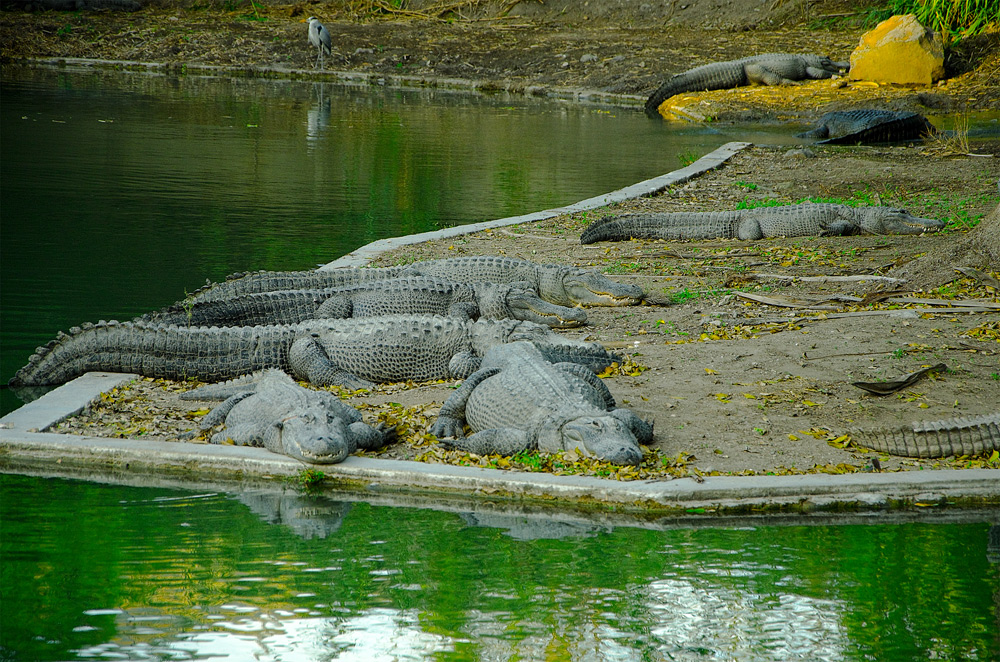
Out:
{"x": 620, "y": 47}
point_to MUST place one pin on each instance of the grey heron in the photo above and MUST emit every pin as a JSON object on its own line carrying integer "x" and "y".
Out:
{"x": 319, "y": 37}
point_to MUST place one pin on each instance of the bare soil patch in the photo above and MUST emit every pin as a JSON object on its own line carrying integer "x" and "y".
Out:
{"x": 735, "y": 386}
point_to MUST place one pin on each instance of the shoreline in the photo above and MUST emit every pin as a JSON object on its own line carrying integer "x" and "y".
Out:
{"x": 27, "y": 447}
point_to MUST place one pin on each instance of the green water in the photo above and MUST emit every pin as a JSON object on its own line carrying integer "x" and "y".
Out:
{"x": 92, "y": 571}
{"x": 122, "y": 192}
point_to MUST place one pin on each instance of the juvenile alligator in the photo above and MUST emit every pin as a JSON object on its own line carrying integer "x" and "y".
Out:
{"x": 519, "y": 401}
{"x": 856, "y": 127}
{"x": 767, "y": 69}
{"x": 809, "y": 219}
{"x": 564, "y": 286}
{"x": 352, "y": 353}
{"x": 415, "y": 295}
{"x": 270, "y": 410}
{"x": 977, "y": 435}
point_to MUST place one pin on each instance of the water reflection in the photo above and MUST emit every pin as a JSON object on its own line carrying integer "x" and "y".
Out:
{"x": 95, "y": 571}
{"x": 318, "y": 117}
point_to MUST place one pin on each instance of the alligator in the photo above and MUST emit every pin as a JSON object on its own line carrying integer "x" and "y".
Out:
{"x": 78, "y": 5}
{"x": 270, "y": 410}
{"x": 857, "y": 127}
{"x": 518, "y": 401}
{"x": 354, "y": 353}
{"x": 767, "y": 69}
{"x": 977, "y": 435}
{"x": 416, "y": 295}
{"x": 808, "y": 219}
{"x": 561, "y": 285}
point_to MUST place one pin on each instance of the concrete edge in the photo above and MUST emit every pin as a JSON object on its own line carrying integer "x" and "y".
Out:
{"x": 714, "y": 159}
{"x": 347, "y": 78}
{"x": 29, "y": 450}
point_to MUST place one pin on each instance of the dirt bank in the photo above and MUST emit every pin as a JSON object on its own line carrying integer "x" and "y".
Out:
{"x": 735, "y": 385}
{"x": 622, "y": 47}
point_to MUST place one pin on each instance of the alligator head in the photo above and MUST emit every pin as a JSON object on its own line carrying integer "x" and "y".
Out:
{"x": 313, "y": 436}
{"x": 886, "y": 220}
{"x": 603, "y": 437}
{"x": 523, "y": 303}
{"x": 825, "y": 63}
{"x": 571, "y": 286}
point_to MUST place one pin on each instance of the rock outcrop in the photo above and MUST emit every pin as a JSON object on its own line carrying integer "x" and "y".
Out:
{"x": 901, "y": 51}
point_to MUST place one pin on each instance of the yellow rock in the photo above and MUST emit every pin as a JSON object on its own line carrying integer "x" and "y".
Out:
{"x": 899, "y": 50}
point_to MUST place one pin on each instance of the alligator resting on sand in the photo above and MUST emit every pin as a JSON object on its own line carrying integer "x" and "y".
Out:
{"x": 561, "y": 285}
{"x": 858, "y": 127}
{"x": 767, "y": 69}
{"x": 808, "y": 219}
{"x": 416, "y": 295}
{"x": 354, "y": 353}
{"x": 270, "y": 410}
{"x": 976, "y": 435}
{"x": 519, "y": 401}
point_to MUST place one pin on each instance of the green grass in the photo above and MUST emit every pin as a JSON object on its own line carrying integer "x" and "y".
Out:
{"x": 687, "y": 157}
{"x": 958, "y": 19}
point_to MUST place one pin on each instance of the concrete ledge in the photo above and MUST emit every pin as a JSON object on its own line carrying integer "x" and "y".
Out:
{"x": 347, "y": 78}
{"x": 711, "y": 161}
{"x": 62, "y": 403}
{"x": 362, "y": 256}
{"x": 24, "y": 451}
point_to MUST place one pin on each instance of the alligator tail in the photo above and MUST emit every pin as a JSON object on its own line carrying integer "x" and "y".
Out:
{"x": 171, "y": 352}
{"x": 976, "y": 435}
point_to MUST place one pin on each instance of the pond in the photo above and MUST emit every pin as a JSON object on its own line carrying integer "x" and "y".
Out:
{"x": 105, "y": 572}
{"x": 124, "y": 191}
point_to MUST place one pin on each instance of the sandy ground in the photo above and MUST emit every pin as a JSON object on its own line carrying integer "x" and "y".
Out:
{"x": 733, "y": 385}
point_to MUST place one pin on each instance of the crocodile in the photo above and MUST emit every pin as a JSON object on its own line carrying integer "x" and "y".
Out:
{"x": 976, "y": 435}
{"x": 857, "y": 127}
{"x": 394, "y": 296}
{"x": 354, "y": 353}
{"x": 519, "y": 401}
{"x": 808, "y": 219}
{"x": 558, "y": 284}
{"x": 270, "y": 410}
{"x": 767, "y": 69}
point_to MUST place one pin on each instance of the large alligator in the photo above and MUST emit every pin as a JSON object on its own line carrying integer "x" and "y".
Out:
{"x": 857, "y": 127}
{"x": 561, "y": 285}
{"x": 808, "y": 219}
{"x": 353, "y": 353}
{"x": 767, "y": 69}
{"x": 416, "y": 295}
{"x": 519, "y": 401}
{"x": 975, "y": 435}
{"x": 270, "y": 410}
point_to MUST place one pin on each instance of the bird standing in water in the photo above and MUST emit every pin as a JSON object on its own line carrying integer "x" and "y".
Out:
{"x": 319, "y": 37}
